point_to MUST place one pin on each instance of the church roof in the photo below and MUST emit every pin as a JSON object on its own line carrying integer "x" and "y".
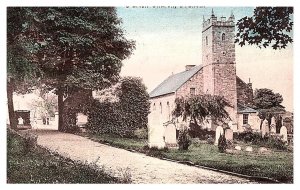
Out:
{"x": 245, "y": 109}
{"x": 173, "y": 82}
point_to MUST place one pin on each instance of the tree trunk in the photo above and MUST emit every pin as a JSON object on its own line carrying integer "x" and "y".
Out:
{"x": 10, "y": 104}
{"x": 60, "y": 96}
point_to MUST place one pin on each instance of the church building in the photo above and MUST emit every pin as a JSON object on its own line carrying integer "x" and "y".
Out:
{"x": 216, "y": 75}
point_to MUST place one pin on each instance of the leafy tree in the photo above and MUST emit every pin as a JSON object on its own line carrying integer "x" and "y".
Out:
{"x": 120, "y": 109}
{"x": 268, "y": 103}
{"x": 197, "y": 108}
{"x": 269, "y": 26}
{"x": 77, "y": 47}
{"x": 266, "y": 99}
{"x": 22, "y": 73}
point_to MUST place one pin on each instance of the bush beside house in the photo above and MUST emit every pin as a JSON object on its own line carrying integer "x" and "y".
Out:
{"x": 120, "y": 110}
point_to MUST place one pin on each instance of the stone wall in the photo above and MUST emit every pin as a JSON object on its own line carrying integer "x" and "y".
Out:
{"x": 244, "y": 92}
{"x": 194, "y": 82}
{"x": 225, "y": 85}
{"x": 218, "y": 58}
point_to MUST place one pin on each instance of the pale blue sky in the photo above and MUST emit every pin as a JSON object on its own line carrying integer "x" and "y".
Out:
{"x": 167, "y": 39}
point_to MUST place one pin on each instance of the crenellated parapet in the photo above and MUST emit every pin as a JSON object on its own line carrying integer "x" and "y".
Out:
{"x": 215, "y": 21}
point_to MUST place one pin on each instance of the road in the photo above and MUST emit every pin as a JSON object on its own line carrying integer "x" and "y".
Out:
{"x": 122, "y": 163}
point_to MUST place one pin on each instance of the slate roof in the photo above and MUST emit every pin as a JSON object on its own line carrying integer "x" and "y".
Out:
{"x": 173, "y": 82}
{"x": 245, "y": 109}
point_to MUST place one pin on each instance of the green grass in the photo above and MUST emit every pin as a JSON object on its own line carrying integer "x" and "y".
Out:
{"x": 277, "y": 165}
{"x": 41, "y": 166}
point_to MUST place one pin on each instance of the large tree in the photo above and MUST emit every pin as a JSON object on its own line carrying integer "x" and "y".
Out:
{"x": 265, "y": 98}
{"x": 197, "y": 108}
{"x": 22, "y": 73}
{"x": 269, "y": 26}
{"x": 78, "y": 47}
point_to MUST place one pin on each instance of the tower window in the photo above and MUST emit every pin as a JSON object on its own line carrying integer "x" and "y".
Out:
{"x": 192, "y": 91}
{"x": 223, "y": 37}
{"x": 206, "y": 40}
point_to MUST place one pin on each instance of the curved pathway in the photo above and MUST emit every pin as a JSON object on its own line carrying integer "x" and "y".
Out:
{"x": 120, "y": 162}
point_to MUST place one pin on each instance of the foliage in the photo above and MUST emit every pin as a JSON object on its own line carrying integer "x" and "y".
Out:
{"x": 222, "y": 144}
{"x": 42, "y": 166}
{"x": 265, "y": 99}
{"x": 269, "y": 26}
{"x": 184, "y": 140}
{"x": 256, "y": 139}
{"x": 22, "y": 73}
{"x": 268, "y": 103}
{"x": 124, "y": 116}
{"x": 141, "y": 133}
{"x": 75, "y": 47}
{"x": 199, "y": 132}
{"x": 199, "y": 107}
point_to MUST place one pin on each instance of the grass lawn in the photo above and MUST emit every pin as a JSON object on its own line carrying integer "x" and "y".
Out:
{"x": 41, "y": 166}
{"x": 276, "y": 165}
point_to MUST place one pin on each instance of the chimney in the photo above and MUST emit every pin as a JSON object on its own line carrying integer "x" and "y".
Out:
{"x": 249, "y": 84}
{"x": 188, "y": 67}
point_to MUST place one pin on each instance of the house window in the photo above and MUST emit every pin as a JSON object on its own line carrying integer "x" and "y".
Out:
{"x": 223, "y": 37}
{"x": 245, "y": 119}
{"x": 192, "y": 91}
{"x": 160, "y": 106}
{"x": 154, "y": 108}
{"x": 168, "y": 108}
{"x": 206, "y": 40}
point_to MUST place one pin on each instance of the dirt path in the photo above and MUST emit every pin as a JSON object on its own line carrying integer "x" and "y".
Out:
{"x": 143, "y": 169}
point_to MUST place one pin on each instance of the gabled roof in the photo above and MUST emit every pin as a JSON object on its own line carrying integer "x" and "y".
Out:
{"x": 173, "y": 82}
{"x": 245, "y": 109}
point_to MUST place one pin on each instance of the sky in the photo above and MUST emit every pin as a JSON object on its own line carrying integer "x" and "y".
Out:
{"x": 169, "y": 38}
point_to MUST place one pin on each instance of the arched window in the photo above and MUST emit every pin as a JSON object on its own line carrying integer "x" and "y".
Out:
{"x": 154, "y": 108}
{"x": 160, "y": 106}
{"x": 168, "y": 108}
{"x": 223, "y": 37}
{"x": 206, "y": 40}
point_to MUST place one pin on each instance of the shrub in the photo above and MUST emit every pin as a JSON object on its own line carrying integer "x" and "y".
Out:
{"x": 210, "y": 140}
{"x": 141, "y": 133}
{"x": 184, "y": 140}
{"x": 222, "y": 144}
{"x": 30, "y": 142}
{"x": 124, "y": 116}
{"x": 257, "y": 139}
{"x": 196, "y": 131}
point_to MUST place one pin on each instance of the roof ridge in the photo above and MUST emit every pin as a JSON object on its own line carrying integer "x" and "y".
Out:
{"x": 174, "y": 81}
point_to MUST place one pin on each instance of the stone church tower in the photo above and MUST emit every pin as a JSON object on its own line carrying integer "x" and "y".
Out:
{"x": 218, "y": 59}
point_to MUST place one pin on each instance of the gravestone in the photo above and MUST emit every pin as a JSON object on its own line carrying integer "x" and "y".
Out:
{"x": 238, "y": 147}
{"x": 170, "y": 134}
{"x": 156, "y": 131}
{"x": 249, "y": 149}
{"x": 283, "y": 133}
{"x": 229, "y": 134}
{"x": 219, "y": 132}
{"x": 208, "y": 123}
{"x": 273, "y": 125}
{"x": 265, "y": 128}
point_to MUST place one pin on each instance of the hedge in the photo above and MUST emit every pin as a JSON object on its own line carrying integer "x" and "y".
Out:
{"x": 124, "y": 116}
